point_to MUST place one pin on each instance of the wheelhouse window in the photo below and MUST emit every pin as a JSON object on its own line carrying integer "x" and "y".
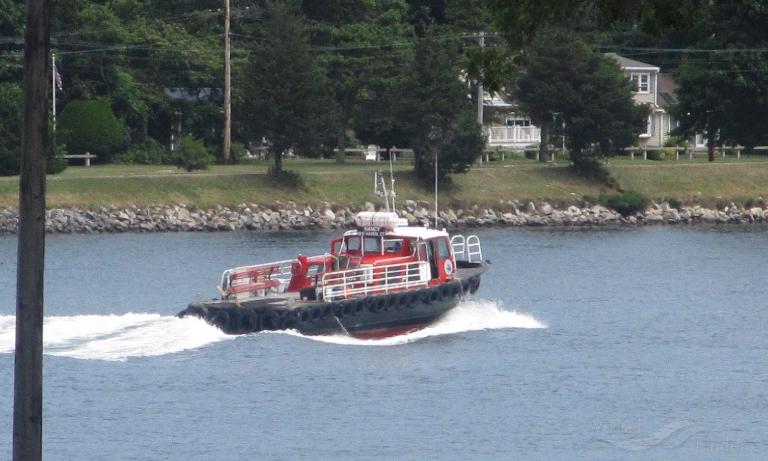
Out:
{"x": 641, "y": 82}
{"x": 373, "y": 245}
{"x": 443, "y": 250}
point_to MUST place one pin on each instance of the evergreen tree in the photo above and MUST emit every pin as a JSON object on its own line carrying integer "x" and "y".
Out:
{"x": 588, "y": 90}
{"x": 283, "y": 95}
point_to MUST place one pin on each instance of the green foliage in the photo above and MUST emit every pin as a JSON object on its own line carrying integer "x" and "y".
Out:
{"x": 91, "y": 126}
{"x": 56, "y": 163}
{"x": 626, "y": 203}
{"x": 673, "y": 202}
{"x": 285, "y": 95}
{"x": 436, "y": 114}
{"x": 657, "y": 154}
{"x": 286, "y": 179}
{"x": 10, "y": 128}
{"x": 192, "y": 154}
{"x": 150, "y": 152}
{"x": 565, "y": 78}
{"x": 593, "y": 169}
{"x": 10, "y": 162}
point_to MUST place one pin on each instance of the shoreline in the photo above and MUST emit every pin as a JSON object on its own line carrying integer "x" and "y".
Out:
{"x": 292, "y": 217}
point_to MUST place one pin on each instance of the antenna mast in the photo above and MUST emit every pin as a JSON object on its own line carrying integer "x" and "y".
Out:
{"x": 380, "y": 189}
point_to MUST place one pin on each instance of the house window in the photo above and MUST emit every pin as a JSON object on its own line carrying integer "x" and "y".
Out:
{"x": 641, "y": 81}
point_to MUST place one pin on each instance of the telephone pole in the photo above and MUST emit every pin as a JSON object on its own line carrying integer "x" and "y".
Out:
{"x": 227, "y": 146}
{"x": 28, "y": 368}
{"x": 480, "y": 90}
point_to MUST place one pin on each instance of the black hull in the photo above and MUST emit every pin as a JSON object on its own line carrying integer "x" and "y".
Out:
{"x": 369, "y": 317}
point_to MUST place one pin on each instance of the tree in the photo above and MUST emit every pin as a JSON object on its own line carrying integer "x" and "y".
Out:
{"x": 284, "y": 95}
{"x": 91, "y": 126}
{"x": 437, "y": 115}
{"x": 587, "y": 89}
{"x": 358, "y": 69}
{"x": 724, "y": 92}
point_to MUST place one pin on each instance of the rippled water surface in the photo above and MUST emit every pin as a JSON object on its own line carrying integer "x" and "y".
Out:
{"x": 642, "y": 343}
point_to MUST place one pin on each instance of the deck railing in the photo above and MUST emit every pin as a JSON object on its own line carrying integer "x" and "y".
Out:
{"x": 467, "y": 249}
{"x": 374, "y": 280}
{"x": 250, "y": 281}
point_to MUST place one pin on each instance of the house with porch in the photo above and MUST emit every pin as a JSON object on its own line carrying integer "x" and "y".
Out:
{"x": 505, "y": 127}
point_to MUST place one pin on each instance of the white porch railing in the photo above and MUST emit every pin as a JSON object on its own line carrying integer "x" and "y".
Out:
{"x": 374, "y": 280}
{"x": 513, "y": 136}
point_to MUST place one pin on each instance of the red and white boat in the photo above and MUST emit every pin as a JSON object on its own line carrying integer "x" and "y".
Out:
{"x": 382, "y": 279}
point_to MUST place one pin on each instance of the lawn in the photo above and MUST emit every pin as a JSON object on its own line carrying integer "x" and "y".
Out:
{"x": 352, "y": 183}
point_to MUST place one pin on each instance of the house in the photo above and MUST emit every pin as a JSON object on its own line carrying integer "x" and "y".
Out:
{"x": 655, "y": 89}
{"x": 505, "y": 127}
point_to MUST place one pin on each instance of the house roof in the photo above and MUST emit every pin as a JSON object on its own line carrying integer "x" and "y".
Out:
{"x": 631, "y": 64}
{"x": 667, "y": 90}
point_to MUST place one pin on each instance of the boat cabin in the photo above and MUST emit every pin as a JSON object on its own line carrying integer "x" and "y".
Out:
{"x": 382, "y": 252}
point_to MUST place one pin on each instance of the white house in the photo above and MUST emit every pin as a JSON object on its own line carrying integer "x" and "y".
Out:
{"x": 506, "y": 127}
{"x": 655, "y": 89}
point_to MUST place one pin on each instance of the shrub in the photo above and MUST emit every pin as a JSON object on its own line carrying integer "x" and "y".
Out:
{"x": 626, "y": 203}
{"x": 673, "y": 202}
{"x": 149, "y": 153}
{"x": 91, "y": 126}
{"x": 657, "y": 154}
{"x": 286, "y": 178}
{"x": 10, "y": 161}
{"x": 192, "y": 154}
{"x": 56, "y": 163}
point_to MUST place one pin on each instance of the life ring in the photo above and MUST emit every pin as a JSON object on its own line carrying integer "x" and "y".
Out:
{"x": 271, "y": 320}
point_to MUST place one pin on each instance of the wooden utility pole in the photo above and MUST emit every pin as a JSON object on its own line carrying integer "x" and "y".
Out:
{"x": 480, "y": 89}
{"x": 227, "y": 145}
{"x": 28, "y": 377}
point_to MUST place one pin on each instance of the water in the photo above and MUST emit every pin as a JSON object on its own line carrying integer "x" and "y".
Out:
{"x": 581, "y": 344}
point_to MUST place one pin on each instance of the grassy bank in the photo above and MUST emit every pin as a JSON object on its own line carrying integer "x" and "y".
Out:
{"x": 688, "y": 181}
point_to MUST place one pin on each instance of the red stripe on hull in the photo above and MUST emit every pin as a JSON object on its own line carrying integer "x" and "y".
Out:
{"x": 382, "y": 333}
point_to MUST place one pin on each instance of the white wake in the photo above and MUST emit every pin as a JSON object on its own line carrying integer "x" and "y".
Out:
{"x": 475, "y": 315}
{"x": 119, "y": 337}
{"x": 116, "y": 337}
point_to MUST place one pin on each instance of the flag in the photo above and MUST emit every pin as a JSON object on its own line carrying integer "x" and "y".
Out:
{"x": 59, "y": 86}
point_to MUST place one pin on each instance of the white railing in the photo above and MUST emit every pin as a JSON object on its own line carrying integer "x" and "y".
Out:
{"x": 373, "y": 280}
{"x": 251, "y": 281}
{"x": 459, "y": 246}
{"x": 467, "y": 249}
{"x": 513, "y": 135}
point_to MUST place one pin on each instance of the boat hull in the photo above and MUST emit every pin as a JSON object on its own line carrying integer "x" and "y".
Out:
{"x": 378, "y": 316}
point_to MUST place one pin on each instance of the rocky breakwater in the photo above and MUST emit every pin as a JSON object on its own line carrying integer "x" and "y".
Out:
{"x": 290, "y": 216}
